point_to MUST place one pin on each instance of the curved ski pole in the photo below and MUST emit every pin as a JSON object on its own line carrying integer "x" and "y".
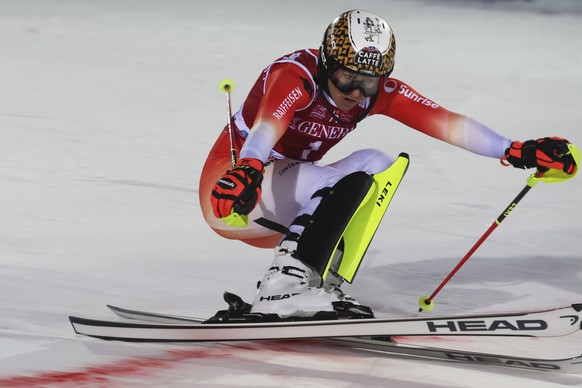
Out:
{"x": 549, "y": 176}
{"x": 227, "y": 86}
{"x": 426, "y": 303}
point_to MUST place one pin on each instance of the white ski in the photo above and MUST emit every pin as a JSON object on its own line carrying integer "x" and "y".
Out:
{"x": 556, "y": 322}
{"x": 391, "y": 347}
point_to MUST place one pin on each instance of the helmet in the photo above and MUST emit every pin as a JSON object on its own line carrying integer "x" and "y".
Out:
{"x": 360, "y": 41}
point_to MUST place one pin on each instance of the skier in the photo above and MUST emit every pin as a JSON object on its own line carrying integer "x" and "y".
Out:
{"x": 302, "y": 105}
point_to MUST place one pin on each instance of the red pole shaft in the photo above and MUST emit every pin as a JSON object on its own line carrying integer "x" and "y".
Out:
{"x": 460, "y": 264}
{"x": 531, "y": 183}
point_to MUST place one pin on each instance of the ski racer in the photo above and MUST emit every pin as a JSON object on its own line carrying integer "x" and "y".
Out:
{"x": 302, "y": 105}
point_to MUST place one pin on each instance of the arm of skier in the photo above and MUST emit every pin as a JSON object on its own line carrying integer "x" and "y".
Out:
{"x": 239, "y": 190}
{"x": 416, "y": 111}
{"x": 284, "y": 94}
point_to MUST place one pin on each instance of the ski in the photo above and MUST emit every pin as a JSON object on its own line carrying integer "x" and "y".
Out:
{"x": 152, "y": 317}
{"x": 549, "y": 323}
{"x": 393, "y": 347}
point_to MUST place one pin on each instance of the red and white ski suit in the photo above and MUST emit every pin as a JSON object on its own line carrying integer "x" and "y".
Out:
{"x": 284, "y": 122}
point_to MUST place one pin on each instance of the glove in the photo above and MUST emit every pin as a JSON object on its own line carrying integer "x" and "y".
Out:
{"x": 543, "y": 153}
{"x": 239, "y": 189}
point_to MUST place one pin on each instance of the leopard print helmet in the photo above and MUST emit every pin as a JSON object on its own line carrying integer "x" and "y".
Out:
{"x": 360, "y": 41}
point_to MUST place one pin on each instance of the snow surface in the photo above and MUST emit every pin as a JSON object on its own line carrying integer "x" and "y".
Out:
{"x": 109, "y": 108}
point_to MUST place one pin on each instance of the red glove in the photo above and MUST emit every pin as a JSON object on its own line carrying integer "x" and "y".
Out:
{"x": 544, "y": 153}
{"x": 239, "y": 189}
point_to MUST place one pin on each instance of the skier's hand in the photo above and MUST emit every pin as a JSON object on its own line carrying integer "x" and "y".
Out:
{"x": 239, "y": 189}
{"x": 543, "y": 153}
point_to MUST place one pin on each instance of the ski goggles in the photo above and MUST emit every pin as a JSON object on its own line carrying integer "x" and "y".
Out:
{"x": 347, "y": 81}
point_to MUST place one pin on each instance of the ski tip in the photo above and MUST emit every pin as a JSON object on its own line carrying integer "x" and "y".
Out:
{"x": 72, "y": 321}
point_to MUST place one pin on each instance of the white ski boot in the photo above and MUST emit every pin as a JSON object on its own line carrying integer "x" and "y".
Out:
{"x": 287, "y": 288}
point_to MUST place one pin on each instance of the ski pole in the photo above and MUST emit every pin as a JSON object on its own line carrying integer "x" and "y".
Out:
{"x": 227, "y": 85}
{"x": 426, "y": 302}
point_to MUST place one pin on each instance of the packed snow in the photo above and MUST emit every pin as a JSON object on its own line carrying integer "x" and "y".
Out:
{"x": 109, "y": 108}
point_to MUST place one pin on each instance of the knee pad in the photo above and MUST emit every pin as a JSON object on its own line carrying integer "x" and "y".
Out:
{"x": 346, "y": 220}
{"x": 325, "y": 227}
